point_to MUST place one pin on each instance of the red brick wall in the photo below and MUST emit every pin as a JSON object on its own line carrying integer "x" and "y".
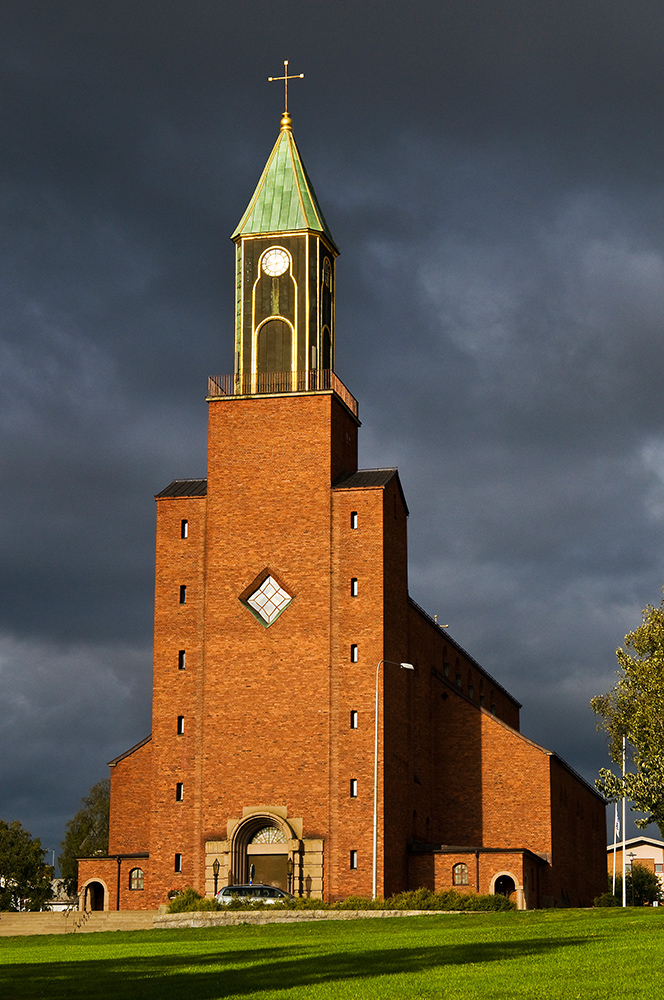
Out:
{"x": 356, "y": 553}
{"x": 266, "y": 709}
{"x": 131, "y": 802}
{"x": 104, "y": 870}
{"x": 176, "y": 758}
{"x": 515, "y": 780}
{"x": 399, "y": 691}
{"x": 578, "y": 872}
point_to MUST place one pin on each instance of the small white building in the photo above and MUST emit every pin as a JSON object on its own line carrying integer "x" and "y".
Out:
{"x": 647, "y": 852}
{"x": 60, "y": 900}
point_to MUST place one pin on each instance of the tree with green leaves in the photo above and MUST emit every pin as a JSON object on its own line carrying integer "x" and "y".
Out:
{"x": 25, "y": 878}
{"x": 642, "y": 888}
{"x": 86, "y": 834}
{"x": 634, "y": 710}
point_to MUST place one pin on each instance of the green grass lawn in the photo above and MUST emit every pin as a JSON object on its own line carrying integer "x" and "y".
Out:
{"x": 551, "y": 954}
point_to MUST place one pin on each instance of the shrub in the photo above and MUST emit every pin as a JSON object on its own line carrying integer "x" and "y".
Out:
{"x": 416, "y": 899}
{"x": 425, "y": 899}
{"x": 301, "y": 903}
{"x": 190, "y": 901}
{"x": 606, "y": 899}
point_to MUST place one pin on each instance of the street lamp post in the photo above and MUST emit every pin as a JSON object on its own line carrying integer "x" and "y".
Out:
{"x": 215, "y": 872}
{"x": 631, "y": 857}
{"x": 404, "y": 666}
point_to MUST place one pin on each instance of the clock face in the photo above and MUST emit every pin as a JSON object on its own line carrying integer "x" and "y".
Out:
{"x": 275, "y": 262}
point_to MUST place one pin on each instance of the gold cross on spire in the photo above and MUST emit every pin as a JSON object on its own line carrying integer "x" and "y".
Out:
{"x": 286, "y": 78}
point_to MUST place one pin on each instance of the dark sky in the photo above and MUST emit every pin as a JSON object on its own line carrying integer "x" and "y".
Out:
{"x": 492, "y": 174}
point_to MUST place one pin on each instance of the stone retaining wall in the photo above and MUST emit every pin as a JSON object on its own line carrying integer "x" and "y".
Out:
{"x": 15, "y": 924}
{"x": 169, "y": 921}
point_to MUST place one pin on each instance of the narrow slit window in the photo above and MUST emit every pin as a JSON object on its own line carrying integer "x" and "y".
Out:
{"x": 183, "y": 593}
{"x": 353, "y": 788}
{"x": 179, "y": 792}
{"x": 177, "y": 866}
{"x": 180, "y": 725}
{"x": 184, "y": 528}
{"x": 180, "y": 659}
{"x": 353, "y": 860}
{"x": 353, "y": 719}
{"x": 353, "y": 653}
{"x": 353, "y": 519}
{"x": 353, "y": 586}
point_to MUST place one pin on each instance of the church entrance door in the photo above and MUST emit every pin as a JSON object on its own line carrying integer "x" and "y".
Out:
{"x": 267, "y": 851}
{"x": 270, "y": 868}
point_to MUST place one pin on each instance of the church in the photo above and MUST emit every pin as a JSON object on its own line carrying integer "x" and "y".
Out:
{"x": 312, "y": 726}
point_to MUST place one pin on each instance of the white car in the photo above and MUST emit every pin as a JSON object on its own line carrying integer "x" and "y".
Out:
{"x": 268, "y": 893}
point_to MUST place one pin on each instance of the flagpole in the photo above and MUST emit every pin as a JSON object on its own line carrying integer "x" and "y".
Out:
{"x": 624, "y": 840}
{"x": 616, "y": 834}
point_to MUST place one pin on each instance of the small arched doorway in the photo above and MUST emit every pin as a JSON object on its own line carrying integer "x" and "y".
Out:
{"x": 504, "y": 886}
{"x": 93, "y": 896}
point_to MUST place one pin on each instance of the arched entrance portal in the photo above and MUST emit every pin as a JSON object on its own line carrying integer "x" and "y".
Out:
{"x": 273, "y": 842}
{"x": 261, "y": 846}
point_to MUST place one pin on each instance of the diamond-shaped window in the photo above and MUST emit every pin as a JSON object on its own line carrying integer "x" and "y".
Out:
{"x": 269, "y": 600}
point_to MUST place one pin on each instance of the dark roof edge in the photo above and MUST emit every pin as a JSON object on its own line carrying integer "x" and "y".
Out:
{"x": 339, "y": 484}
{"x": 117, "y": 857}
{"x": 465, "y": 652}
{"x": 183, "y": 488}
{"x": 579, "y": 777}
{"x": 469, "y": 849}
{"x": 128, "y": 753}
{"x": 633, "y": 841}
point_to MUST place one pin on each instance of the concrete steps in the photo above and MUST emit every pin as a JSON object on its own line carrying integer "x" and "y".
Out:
{"x": 75, "y": 922}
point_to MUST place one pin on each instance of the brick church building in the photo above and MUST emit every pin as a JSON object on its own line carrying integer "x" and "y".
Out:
{"x": 287, "y": 649}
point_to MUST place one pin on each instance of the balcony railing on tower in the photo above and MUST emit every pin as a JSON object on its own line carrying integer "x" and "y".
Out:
{"x": 278, "y": 383}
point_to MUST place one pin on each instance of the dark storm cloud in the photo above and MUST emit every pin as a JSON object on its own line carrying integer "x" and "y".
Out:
{"x": 491, "y": 172}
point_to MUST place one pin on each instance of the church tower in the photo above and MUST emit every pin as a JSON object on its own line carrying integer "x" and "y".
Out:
{"x": 250, "y": 586}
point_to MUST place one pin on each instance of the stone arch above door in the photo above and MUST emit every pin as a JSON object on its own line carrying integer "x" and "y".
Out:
{"x": 500, "y": 883}
{"x": 268, "y": 838}
{"x": 93, "y": 895}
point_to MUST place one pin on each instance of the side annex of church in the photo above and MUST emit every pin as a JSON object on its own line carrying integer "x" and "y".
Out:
{"x": 283, "y": 646}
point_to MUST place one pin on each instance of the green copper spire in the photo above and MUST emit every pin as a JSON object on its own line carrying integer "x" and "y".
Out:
{"x": 284, "y": 200}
